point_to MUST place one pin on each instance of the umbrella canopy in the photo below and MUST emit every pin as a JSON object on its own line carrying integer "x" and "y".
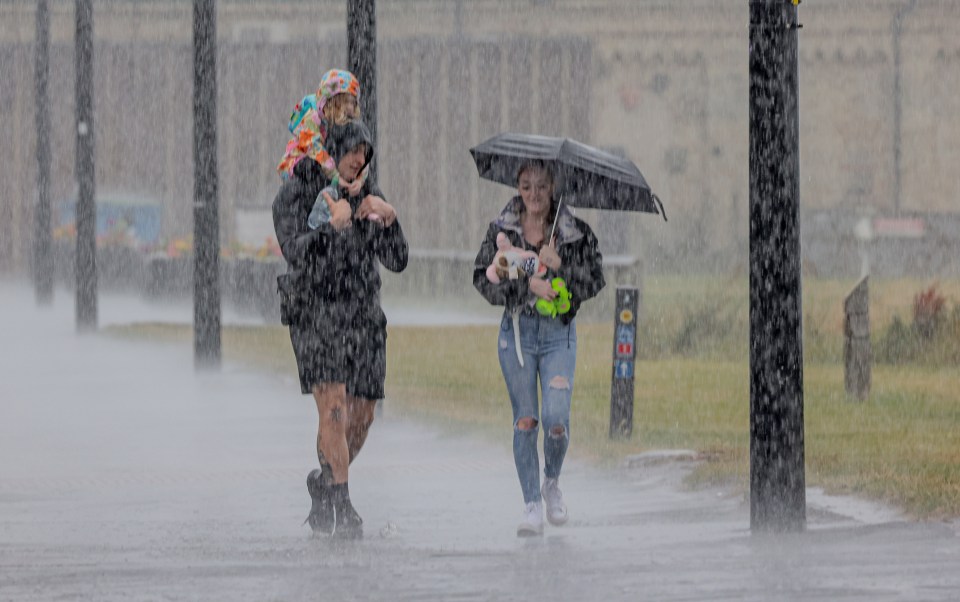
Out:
{"x": 584, "y": 176}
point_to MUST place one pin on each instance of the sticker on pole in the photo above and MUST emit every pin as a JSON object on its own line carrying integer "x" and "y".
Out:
{"x": 626, "y": 316}
{"x": 623, "y": 369}
{"x": 625, "y": 349}
{"x": 624, "y": 334}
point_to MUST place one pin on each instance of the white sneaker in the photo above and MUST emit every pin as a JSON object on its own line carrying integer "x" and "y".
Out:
{"x": 532, "y": 523}
{"x": 553, "y": 497}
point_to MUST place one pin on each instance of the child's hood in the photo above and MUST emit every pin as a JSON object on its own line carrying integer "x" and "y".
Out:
{"x": 333, "y": 82}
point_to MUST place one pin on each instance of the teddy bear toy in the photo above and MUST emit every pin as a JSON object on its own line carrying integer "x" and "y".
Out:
{"x": 560, "y": 304}
{"x": 510, "y": 262}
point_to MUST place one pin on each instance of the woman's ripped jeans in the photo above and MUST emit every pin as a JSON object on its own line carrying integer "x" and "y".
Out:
{"x": 549, "y": 357}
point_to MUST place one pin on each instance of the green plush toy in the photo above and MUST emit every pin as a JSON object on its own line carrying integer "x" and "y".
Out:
{"x": 560, "y": 304}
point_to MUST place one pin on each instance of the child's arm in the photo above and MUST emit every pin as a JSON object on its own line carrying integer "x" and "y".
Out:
{"x": 352, "y": 188}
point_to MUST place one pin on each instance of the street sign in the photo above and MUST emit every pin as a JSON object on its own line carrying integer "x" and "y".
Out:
{"x": 624, "y": 353}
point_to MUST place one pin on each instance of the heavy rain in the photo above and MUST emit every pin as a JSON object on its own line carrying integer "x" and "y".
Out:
{"x": 701, "y": 255}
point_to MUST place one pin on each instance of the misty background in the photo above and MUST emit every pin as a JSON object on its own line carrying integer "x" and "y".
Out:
{"x": 664, "y": 83}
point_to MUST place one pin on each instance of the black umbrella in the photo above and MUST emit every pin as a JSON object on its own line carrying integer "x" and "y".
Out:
{"x": 584, "y": 176}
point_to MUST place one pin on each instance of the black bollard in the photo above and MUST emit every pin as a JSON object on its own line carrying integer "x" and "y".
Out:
{"x": 777, "y": 483}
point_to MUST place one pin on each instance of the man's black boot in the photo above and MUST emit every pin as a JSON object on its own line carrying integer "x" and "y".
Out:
{"x": 321, "y": 517}
{"x": 349, "y": 523}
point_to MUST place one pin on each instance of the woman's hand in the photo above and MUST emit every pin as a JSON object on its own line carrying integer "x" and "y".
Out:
{"x": 542, "y": 289}
{"x": 374, "y": 205}
{"x": 340, "y": 213}
{"x": 549, "y": 256}
{"x": 352, "y": 188}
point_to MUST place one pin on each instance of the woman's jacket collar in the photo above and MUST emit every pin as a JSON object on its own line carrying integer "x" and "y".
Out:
{"x": 567, "y": 230}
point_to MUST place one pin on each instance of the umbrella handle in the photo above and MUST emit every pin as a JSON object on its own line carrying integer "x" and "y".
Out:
{"x": 656, "y": 200}
{"x": 553, "y": 230}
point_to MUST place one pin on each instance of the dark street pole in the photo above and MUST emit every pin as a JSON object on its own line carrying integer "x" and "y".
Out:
{"x": 206, "y": 226}
{"x": 42, "y": 257}
{"x": 362, "y": 61}
{"x": 86, "y": 176}
{"x": 777, "y": 484}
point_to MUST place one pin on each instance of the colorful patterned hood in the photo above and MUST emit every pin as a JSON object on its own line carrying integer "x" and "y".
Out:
{"x": 308, "y": 128}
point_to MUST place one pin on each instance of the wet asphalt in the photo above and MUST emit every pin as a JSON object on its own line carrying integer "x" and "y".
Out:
{"x": 126, "y": 475}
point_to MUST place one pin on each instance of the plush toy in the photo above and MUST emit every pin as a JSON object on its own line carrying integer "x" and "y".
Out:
{"x": 560, "y": 304}
{"x": 511, "y": 262}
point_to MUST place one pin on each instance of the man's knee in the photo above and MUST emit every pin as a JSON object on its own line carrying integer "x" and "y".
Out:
{"x": 558, "y": 431}
{"x": 330, "y": 396}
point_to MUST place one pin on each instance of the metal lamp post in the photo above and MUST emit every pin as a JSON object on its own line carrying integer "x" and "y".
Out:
{"x": 86, "y": 303}
{"x": 362, "y": 61}
{"x": 42, "y": 257}
{"x": 777, "y": 484}
{"x": 206, "y": 226}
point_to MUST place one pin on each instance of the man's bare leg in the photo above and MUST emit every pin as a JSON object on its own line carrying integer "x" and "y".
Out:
{"x": 361, "y": 417}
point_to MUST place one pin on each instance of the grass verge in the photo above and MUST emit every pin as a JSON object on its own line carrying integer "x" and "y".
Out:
{"x": 902, "y": 446}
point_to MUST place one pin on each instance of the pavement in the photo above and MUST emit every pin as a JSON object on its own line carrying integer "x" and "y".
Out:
{"x": 125, "y": 475}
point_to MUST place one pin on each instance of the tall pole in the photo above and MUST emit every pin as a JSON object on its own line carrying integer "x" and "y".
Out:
{"x": 206, "y": 226}
{"x": 86, "y": 305}
{"x": 362, "y": 60}
{"x": 777, "y": 484}
{"x": 42, "y": 258}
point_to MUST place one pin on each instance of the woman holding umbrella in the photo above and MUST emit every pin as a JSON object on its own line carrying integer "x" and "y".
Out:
{"x": 534, "y": 346}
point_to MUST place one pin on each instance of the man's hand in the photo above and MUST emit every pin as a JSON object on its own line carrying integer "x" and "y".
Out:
{"x": 542, "y": 289}
{"x": 340, "y": 213}
{"x": 549, "y": 256}
{"x": 374, "y": 205}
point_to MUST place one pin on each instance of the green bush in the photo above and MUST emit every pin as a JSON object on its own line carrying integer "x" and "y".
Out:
{"x": 933, "y": 337}
{"x": 705, "y": 328}
{"x": 900, "y": 344}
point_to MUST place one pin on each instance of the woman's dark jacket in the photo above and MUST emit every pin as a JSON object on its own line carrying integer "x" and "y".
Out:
{"x": 331, "y": 273}
{"x": 581, "y": 261}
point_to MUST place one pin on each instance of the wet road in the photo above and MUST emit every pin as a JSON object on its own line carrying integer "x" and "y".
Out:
{"x": 125, "y": 476}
